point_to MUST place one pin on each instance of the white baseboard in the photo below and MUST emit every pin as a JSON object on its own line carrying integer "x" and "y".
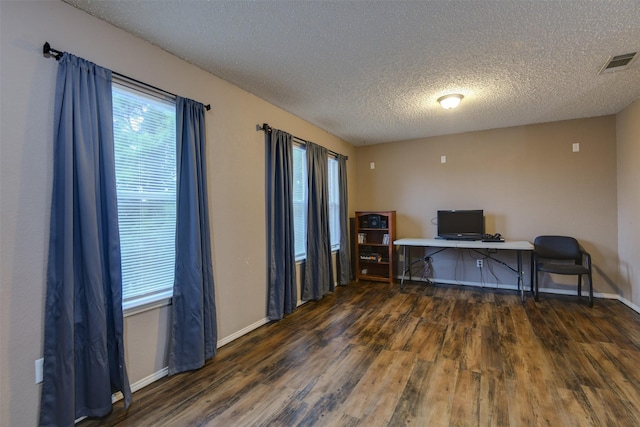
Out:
{"x": 142, "y": 383}
{"x": 622, "y": 299}
{"x": 466, "y": 283}
{"x": 165, "y": 371}
{"x": 573, "y": 292}
{"x": 629, "y": 304}
{"x": 150, "y": 379}
{"x": 241, "y": 332}
{"x": 300, "y": 302}
{"x": 477, "y": 284}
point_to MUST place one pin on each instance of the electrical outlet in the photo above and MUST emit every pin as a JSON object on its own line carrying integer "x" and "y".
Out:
{"x": 479, "y": 263}
{"x": 39, "y": 370}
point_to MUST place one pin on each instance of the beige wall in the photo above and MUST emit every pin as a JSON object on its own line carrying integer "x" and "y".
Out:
{"x": 628, "y": 134}
{"x": 235, "y": 160}
{"x": 526, "y": 178}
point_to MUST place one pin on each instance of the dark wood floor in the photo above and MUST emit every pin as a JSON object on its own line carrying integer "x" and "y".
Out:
{"x": 369, "y": 355}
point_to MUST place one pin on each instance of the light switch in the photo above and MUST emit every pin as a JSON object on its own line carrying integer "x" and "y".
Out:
{"x": 39, "y": 370}
{"x": 443, "y": 159}
{"x": 372, "y": 165}
{"x": 576, "y": 147}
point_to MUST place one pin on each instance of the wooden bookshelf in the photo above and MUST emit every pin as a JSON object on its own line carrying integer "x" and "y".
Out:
{"x": 374, "y": 250}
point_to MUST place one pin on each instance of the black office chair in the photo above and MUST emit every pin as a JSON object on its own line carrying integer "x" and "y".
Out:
{"x": 562, "y": 255}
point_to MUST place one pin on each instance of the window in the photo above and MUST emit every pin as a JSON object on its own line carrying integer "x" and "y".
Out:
{"x": 300, "y": 202}
{"x": 334, "y": 204}
{"x": 145, "y": 158}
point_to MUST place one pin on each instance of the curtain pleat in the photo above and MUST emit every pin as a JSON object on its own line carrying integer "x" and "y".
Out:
{"x": 344, "y": 274}
{"x": 318, "y": 278}
{"x": 83, "y": 323}
{"x": 281, "y": 263}
{"x": 193, "y": 328}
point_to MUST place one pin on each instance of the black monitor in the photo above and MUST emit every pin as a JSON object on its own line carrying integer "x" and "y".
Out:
{"x": 461, "y": 224}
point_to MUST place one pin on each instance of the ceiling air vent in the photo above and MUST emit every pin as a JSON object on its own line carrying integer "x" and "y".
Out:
{"x": 619, "y": 62}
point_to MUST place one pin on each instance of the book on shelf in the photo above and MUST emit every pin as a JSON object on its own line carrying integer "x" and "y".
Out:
{"x": 385, "y": 239}
{"x": 371, "y": 257}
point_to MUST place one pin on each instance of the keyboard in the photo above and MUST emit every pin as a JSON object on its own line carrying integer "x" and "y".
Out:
{"x": 492, "y": 238}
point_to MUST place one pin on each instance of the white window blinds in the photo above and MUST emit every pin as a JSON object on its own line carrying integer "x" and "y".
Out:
{"x": 145, "y": 153}
{"x": 334, "y": 203}
{"x": 300, "y": 201}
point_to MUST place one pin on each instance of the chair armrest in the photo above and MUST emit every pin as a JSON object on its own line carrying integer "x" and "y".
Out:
{"x": 587, "y": 256}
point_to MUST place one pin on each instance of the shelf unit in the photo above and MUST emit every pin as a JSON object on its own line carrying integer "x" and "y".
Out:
{"x": 375, "y": 254}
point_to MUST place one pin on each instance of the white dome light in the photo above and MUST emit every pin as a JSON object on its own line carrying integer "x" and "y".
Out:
{"x": 450, "y": 101}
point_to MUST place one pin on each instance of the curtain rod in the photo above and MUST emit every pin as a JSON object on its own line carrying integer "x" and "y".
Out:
{"x": 49, "y": 52}
{"x": 266, "y": 128}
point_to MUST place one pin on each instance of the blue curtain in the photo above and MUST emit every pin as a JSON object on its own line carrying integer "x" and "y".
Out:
{"x": 83, "y": 325}
{"x": 194, "y": 332}
{"x": 318, "y": 277}
{"x": 281, "y": 260}
{"x": 344, "y": 274}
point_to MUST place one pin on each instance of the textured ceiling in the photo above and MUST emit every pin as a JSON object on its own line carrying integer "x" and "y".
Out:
{"x": 371, "y": 71}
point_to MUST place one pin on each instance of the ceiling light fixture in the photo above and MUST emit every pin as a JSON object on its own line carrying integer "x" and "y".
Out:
{"x": 450, "y": 101}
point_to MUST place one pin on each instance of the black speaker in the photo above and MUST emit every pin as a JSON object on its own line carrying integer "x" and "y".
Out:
{"x": 374, "y": 221}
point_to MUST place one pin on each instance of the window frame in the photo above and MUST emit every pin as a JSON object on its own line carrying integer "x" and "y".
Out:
{"x": 162, "y": 296}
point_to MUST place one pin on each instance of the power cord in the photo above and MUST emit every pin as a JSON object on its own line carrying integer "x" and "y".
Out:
{"x": 427, "y": 270}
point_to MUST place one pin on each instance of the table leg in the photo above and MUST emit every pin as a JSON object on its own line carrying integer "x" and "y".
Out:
{"x": 534, "y": 291}
{"x": 520, "y": 278}
{"x": 404, "y": 265}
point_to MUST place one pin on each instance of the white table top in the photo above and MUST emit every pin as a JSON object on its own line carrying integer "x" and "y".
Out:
{"x": 517, "y": 245}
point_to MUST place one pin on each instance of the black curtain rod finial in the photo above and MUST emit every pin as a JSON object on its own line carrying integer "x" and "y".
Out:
{"x": 48, "y": 52}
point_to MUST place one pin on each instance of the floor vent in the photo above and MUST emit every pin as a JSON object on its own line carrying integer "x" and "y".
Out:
{"x": 619, "y": 62}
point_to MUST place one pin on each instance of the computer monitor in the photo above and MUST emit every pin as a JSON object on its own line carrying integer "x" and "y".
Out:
{"x": 461, "y": 224}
